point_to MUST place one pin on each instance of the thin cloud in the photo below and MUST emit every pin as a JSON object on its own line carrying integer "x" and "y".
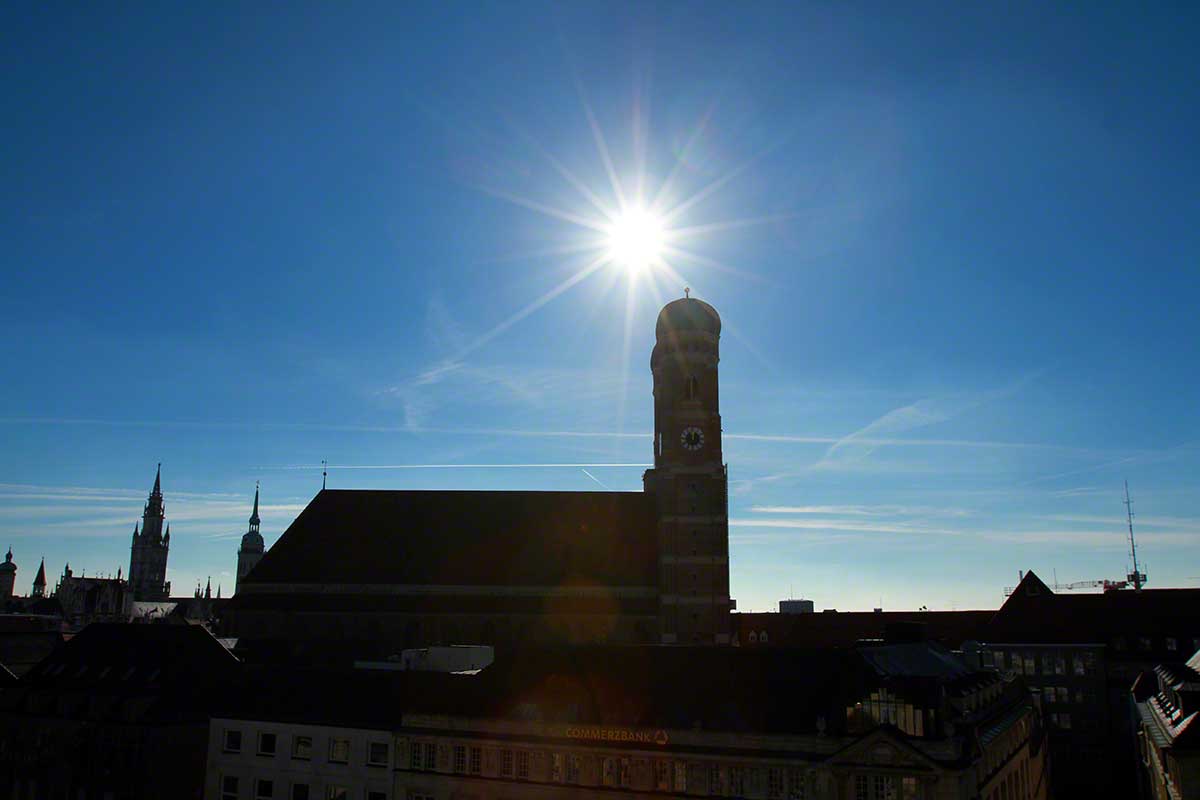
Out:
{"x": 867, "y": 511}
{"x": 458, "y": 466}
{"x": 843, "y": 525}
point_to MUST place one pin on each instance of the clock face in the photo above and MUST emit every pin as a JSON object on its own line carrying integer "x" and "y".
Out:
{"x": 692, "y": 439}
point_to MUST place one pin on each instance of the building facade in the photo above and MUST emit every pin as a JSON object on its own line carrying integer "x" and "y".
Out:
{"x": 148, "y": 552}
{"x": 85, "y": 600}
{"x": 1081, "y": 653}
{"x": 1167, "y": 700}
{"x": 381, "y": 571}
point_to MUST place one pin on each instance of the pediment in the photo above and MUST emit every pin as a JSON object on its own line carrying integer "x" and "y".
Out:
{"x": 882, "y": 748}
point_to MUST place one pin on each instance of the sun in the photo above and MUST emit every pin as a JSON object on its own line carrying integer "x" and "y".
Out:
{"x": 636, "y": 239}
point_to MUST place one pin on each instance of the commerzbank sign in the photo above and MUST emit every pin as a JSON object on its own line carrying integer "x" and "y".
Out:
{"x": 627, "y": 735}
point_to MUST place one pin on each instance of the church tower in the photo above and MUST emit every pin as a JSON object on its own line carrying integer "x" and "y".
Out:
{"x": 39, "y": 581}
{"x": 689, "y": 477}
{"x": 148, "y": 553}
{"x": 8, "y": 576}
{"x": 251, "y": 551}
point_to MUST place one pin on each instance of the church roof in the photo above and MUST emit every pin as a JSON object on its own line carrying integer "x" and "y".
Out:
{"x": 464, "y": 538}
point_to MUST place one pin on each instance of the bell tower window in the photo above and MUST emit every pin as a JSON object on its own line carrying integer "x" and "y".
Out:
{"x": 693, "y": 387}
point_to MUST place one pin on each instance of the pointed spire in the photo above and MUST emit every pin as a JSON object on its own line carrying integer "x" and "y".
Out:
{"x": 197, "y": 595}
{"x": 167, "y": 538}
{"x": 8, "y": 555}
{"x": 157, "y": 480}
{"x": 254, "y": 515}
{"x": 218, "y": 591}
{"x": 208, "y": 589}
{"x": 39, "y": 580}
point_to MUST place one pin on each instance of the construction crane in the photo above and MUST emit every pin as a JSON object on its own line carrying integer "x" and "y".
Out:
{"x": 1135, "y": 578}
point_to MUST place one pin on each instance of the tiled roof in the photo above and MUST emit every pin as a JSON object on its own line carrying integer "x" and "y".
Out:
{"x": 466, "y": 539}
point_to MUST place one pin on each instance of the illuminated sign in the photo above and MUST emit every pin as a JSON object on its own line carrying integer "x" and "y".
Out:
{"x": 629, "y": 735}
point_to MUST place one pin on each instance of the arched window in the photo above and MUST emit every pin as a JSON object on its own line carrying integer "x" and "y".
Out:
{"x": 753, "y": 637}
{"x": 693, "y": 387}
{"x": 762, "y": 637}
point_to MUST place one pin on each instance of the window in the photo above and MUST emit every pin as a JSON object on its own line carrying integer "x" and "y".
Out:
{"x": 337, "y": 793}
{"x": 1064, "y": 721}
{"x": 681, "y": 776}
{"x": 302, "y": 747}
{"x": 1172, "y": 644}
{"x": 1143, "y": 643}
{"x": 506, "y": 763}
{"x": 1029, "y": 664}
{"x": 377, "y": 754}
{"x": 909, "y": 789}
{"x": 430, "y": 756}
{"x": 737, "y": 781}
{"x": 572, "y": 768}
{"x": 266, "y": 744}
{"x": 299, "y": 791}
{"x": 339, "y": 750}
{"x": 523, "y": 764}
{"x": 264, "y": 789}
{"x": 1064, "y": 694}
{"x": 476, "y": 762}
{"x": 233, "y": 742}
{"x": 774, "y": 782}
{"x": 1060, "y": 664}
{"x": 795, "y": 784}
{"x": 556, "y": 767}
{"x": 860, "y": 788}
{"x": 662, "y": 775}
{"x": 229, "y": 787}
{"x": 460, "y": 758}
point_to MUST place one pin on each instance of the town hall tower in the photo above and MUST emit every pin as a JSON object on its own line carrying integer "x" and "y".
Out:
{"x": 148, "y": 553}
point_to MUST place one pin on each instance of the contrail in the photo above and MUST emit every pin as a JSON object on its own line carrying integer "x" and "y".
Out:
{"x": 597, "y": 480}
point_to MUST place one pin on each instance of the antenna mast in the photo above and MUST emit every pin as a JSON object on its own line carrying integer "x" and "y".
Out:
{"x": 1136, "y": 577}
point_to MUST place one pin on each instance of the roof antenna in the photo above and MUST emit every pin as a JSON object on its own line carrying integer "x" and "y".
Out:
{"x": 324, "y": 472}
{"x": 687, "y": 292}
{"x": 1136, "y": 576}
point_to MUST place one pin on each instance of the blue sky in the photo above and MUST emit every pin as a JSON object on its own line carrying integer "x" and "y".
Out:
{"x": 954, "y": 248}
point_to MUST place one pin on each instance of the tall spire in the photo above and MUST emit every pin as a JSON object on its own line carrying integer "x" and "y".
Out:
{"x": 218, "y": 591}
{"x": 208, "y": 589}
{"x": 157, "y": 480}
{"x": 254, "y": 521}
{"x": 167, "y": 538}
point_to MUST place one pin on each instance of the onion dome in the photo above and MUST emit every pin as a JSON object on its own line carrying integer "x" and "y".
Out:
{"x": 8, "y": 565}
{"x": 687, "y": 314}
